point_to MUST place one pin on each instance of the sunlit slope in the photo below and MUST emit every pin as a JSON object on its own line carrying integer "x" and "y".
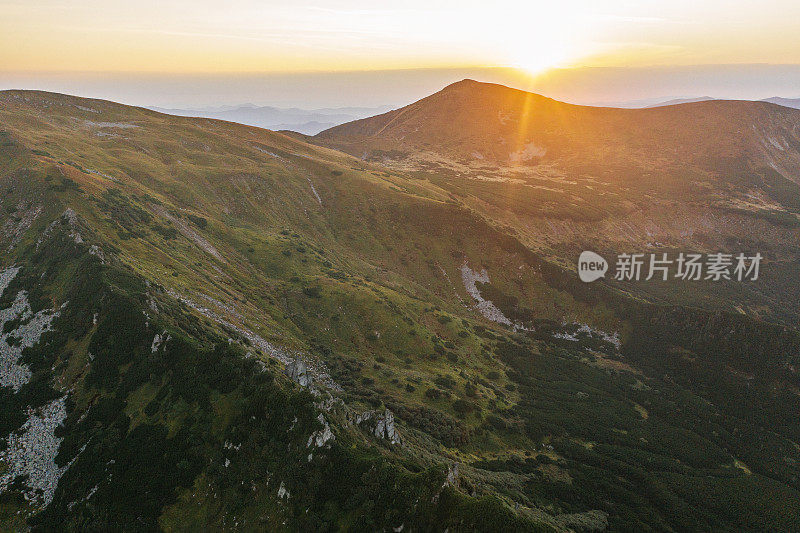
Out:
{"x": 601, "y": 162}
{"x": 473, "y": 121}
{"x": 565, "y": 405}
{"x": 172, "y": 192}
{"x": 707, "y": 176}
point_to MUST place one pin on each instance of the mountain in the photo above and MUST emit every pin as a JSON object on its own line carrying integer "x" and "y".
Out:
{"x": 480, "y": 122}
{"x": 655, "y": 102}
{"x": 309, "y": 122}
{"x": 678, "y": 101}
{"x": 794, "y": 103}
{"x": 706, "y": 176}
{"x": 209, "y": 326}
{"x": 648, "y": 102}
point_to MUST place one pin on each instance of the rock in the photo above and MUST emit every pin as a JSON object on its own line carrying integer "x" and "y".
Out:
{"x": 322, "y": 436}
{"x": 14, "y": 342}
{"x": 158, "y": 340}
{"x": 381, "y": 425}
{"x": 6, "y": 277}
{"x": 282, "y": 492}
{"x": 71, "y": 219}
{"x": 96, "y": 251}
{"x": 298, "y": 372}
{"x": 470, "y": 278}
{"x": 31, "y": 453}
{"x": 452, "y": 476}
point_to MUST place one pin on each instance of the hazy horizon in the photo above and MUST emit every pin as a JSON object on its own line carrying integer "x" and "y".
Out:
{"x": 350, "y": 53}
{"x": 398, "y": 87}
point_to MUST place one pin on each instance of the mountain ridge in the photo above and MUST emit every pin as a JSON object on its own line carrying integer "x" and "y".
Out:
{"x": 203, "y": 272}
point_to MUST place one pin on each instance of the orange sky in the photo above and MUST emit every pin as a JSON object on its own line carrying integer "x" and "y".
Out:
{"x": 276, "y": 36}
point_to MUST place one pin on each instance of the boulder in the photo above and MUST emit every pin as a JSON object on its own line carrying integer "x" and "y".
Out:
{"x": 381, "y": 425}
{"x": 298, "y": 371}
{"x": 323, "y": 436}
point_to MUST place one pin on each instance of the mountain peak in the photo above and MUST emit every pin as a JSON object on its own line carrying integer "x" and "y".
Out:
{"x": 468, "y": 84}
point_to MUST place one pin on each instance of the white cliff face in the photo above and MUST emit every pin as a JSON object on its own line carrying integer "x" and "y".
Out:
{"x": 282, "y": 492}
{"x": 31, "y": 452}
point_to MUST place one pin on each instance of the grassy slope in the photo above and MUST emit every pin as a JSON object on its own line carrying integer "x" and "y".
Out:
{"x": 710, "y": 176}
{"x": 366, "y": 280}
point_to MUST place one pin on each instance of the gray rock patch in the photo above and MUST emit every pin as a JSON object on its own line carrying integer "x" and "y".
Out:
{"x": 32, "y": 451}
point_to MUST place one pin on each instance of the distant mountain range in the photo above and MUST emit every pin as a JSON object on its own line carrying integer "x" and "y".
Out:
{"x": 786, "y": 102}
{"x": 314, "y": 121}
{"x": 654, "y": 102}
{"x": 677, "y": 101}
{"x": 307, "y": 121}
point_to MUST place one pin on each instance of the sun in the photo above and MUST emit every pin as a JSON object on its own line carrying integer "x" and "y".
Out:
{"x": 538, "y": 37}
{"x": 534, "y": 62}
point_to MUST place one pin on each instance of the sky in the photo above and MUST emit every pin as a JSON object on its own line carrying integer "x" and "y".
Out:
{"x": 95, "y": 45}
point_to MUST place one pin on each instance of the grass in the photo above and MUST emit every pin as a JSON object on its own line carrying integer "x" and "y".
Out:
{"x": 369, "y": 284}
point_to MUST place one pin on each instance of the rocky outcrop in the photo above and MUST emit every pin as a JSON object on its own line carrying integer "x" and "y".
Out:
{"x": 380, "y": 424}
{"x": 298, "y": 372}
{"x": 452, "y": 476}
{"x": 27, "y": 333}
{"x": 323, "y": 436}
{"x": 282, "y": 492}
{"x": 32, "y": 451}
{"x": 470, "y": 278}
{"x": 6, "y": 277}
{"x": 158, "y": 340}
{"x": 70, "y": 219}
{"x": 313, "y": 370}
